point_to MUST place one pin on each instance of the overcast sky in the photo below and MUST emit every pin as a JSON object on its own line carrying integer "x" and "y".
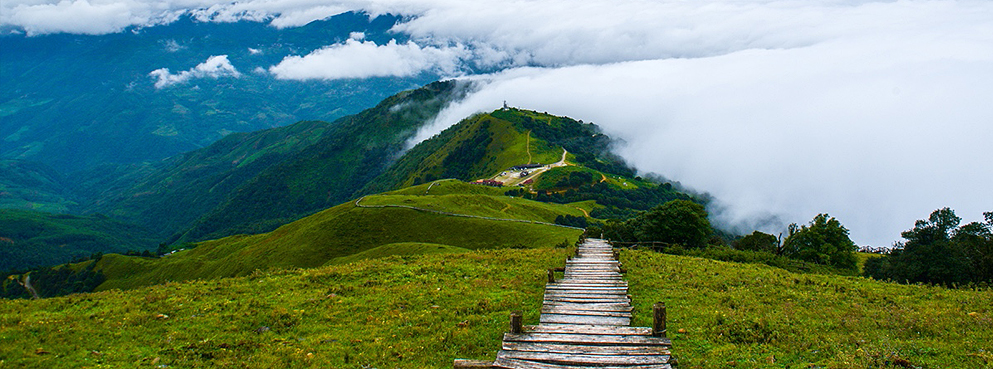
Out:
{"x": 874, "y": 112}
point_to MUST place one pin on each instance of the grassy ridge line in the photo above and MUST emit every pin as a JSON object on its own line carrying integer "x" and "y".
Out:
{"x": 340, "y": 231}
{"x": 460, "y": 215}
{"x": 756, "y": 316}
{"x": 395, "y": 312}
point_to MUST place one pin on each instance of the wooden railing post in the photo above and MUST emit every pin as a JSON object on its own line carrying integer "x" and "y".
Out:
{"x": 658, "y": 323}
{"x": 551, "y": 275}
{"x": 516, "y": 321}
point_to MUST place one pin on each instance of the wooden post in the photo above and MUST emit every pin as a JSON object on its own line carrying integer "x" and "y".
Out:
{"x": 617, "y": 255}
{"x": 516, "y": 321}
{"x": 658, "y": 323}
{"x": 472, "y": 364}
{"x": 551, "y": 275}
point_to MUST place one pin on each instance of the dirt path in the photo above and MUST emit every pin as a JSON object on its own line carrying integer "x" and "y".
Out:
{"x": 527, "y": 147}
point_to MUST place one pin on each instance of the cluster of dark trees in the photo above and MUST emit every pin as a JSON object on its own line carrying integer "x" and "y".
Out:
{"x": 681, "y": 222}
{"x": 822, "y": 241}
{"x": 50, "y": 282}
{"x": 572, "y": 221}
{"x": 939, "y": 251}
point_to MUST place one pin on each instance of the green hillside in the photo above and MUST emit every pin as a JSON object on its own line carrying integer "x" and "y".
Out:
{"x": 478, "y": 147}
{"x": 30, "y": 239}
{"x": 424, "y": 311}
{"x": 332, "y": 170}
{"x": 346, "y": 230}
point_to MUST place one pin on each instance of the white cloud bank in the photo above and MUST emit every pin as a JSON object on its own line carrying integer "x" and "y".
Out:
{"x": 216, "y": 66}
{"x": 363, "y": 59}
{"x": 878, "y": 131}
{"x": 874, "y": 111}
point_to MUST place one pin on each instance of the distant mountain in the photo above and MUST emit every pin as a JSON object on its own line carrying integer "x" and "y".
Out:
{"x": 30, "y": 239}
{"x": 168, "y": 196}
{"x": 74, "y": 102}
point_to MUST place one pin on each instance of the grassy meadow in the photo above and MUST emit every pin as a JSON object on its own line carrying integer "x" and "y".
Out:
{"x": 754, "y": 316}
{"x": 423, "y": 311}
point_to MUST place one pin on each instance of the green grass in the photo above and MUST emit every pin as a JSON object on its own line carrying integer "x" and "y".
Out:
{"x": 423, "y": 311}
{"x": 346, "y": 230}
{"x": 752, "y": 316}
{"x": 447, "y": 187}
{"x": 398, "y": 249}
{"x": 503, "y": 207}
{"x": 406, "y": 312}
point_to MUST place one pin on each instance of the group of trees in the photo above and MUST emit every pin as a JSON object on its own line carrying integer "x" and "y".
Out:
{"x": 51, "y": 281}
{"x": 680, "y": 222}
{"x": 939, "y": 251}
{"x": 822, "y": 241}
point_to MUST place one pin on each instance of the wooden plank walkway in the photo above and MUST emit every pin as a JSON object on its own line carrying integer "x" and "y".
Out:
{"x": 584, "y": 323}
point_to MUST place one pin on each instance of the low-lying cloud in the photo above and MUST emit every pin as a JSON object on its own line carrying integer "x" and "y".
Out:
{"x": 216, "y": 66}
{"x": 363, "y": 59}
{"x": 878, "y": 134}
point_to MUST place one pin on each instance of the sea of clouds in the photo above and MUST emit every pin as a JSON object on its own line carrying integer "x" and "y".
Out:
{"x": 876, "y": 112}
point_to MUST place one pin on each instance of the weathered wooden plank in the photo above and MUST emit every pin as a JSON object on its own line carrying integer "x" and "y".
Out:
{"x": 591, "y": 330}
{"x": 588, "y": 360}
{"x": 594, "y": 294}
{"x": 585, "y": 349}
{"x": 588, "y": 286}
{"x": 622, "y": 306}
{"x": 605, "y": 284}
{"x": 587, "y": 339}
{"x": 587, "y": 299}
{"x": 509, "y": 363}
{"x": 578, "y": 311}
{"x": 583, "y": 319}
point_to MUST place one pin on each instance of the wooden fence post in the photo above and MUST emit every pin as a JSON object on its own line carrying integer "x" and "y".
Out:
{"x": 516, "y": 320}
{"x": 658, "y": 323}
{"x": 551, "y": 275}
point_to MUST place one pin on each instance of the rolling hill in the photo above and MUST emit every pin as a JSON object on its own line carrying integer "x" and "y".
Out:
{"x": 349, "y": 229}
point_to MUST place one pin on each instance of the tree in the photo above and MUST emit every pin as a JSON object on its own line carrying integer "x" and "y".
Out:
{"x": 823, "y": 241}
{"x": 678, "y": 221}
{"x": 757, "y": 241}
{"x": 935, "y": 251}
